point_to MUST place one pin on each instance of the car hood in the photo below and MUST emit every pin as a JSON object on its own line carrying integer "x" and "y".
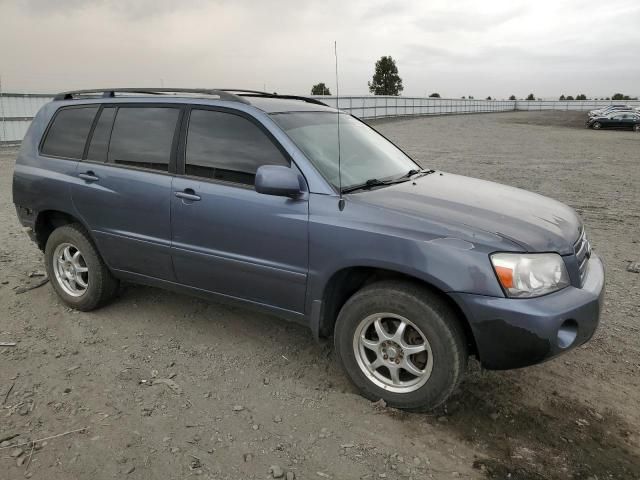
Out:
{"x": 533, "y": 222}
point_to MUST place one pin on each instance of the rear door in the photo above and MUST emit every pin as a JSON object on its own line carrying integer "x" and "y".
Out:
{"x": 123, "y": 188}
{"x": 227, "y": 238}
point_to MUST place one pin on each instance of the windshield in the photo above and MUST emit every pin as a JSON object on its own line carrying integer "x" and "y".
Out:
{"x": 365, "y": 154}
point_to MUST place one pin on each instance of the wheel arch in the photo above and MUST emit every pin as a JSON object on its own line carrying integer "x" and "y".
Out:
{"x": 347, "y": 281}
{"x": 48, "y": 220}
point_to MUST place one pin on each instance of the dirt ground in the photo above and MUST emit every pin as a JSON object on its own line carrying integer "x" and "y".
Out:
{"x": 167, "y": 386}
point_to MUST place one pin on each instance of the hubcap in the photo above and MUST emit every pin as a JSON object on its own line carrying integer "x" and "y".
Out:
{"x": 70, "y": 269}
{"x": 393, "y": 352}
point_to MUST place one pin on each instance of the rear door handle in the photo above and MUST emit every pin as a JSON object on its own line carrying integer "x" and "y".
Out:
{"x": 188, "y": 194}
{"x": 89, "y": 177}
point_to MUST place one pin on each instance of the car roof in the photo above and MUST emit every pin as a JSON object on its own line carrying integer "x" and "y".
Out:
{"x": 267, "y": 102}
{"x": 278, "y": 105}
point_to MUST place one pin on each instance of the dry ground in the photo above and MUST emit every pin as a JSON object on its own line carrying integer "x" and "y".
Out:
{"x": 253, "y": 392}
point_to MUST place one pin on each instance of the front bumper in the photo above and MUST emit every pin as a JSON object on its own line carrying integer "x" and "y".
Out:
{"x": 513, "y": 333}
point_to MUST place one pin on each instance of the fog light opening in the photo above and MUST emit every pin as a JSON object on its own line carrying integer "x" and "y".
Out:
{"x": 567, "y": 333}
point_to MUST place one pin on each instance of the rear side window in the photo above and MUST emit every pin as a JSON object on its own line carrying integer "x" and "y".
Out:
{"x": 68, "y": 133}
{"x": 228, "y": 147}
{"x": 99, "y": 145}
{"x": 142, "y": 137}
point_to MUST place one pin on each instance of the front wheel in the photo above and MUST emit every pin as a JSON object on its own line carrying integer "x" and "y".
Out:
{"x": 597, "y": 125}
{"x": 636, "y": 127}
{"x": 402, "y": 343}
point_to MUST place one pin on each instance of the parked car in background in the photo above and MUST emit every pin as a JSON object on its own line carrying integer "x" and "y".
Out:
{"x": 240, "y": 196}
{"x": 609, "y": 109}
{"x": 628, "y": 120}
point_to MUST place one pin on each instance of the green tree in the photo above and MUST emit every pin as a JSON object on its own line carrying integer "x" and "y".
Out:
{"x": 570, "y": 97}
{"x": 512, "y": 97}
{"x": 562, "y": 97}
{"x": 617, "y": 96}
{"x": 434, "y": 95}
{"x": 581, "y": 96}
{"x": 320, "y": 89}
{"x": 531, "y": 97}
{"x": 386, "y": 80}
{"x": 489, "y": 97}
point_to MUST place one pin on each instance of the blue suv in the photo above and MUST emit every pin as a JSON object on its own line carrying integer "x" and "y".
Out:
{"x": 286, "y": 205}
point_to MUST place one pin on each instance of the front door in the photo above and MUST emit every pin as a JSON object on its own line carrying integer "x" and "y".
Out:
{"x": 226, "y": 237}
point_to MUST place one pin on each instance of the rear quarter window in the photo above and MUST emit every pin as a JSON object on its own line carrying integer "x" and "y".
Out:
{"x": 67, "y": 134}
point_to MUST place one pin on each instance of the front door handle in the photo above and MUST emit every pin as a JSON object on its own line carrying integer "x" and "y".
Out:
{"x": 188, "y": 194}
{"x": 89, "y": 177}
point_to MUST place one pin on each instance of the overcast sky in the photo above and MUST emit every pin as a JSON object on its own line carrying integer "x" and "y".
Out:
{"x": 456, "y": 48}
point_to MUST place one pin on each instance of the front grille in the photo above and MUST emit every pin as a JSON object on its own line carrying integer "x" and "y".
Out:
{"x": 582, "y": 249}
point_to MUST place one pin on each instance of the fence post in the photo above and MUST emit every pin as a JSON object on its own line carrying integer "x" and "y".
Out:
{"x": 4, "y": 128}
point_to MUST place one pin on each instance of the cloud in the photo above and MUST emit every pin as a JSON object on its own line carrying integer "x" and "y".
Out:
{"x": 457, "y": 48}
{"x": 465, "y": 20}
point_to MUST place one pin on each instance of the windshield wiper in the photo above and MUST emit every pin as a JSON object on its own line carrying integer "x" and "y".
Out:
{"x": 415, "y": 171}
{"x": 372, "y": 182}
{"x": 375, "y": 182}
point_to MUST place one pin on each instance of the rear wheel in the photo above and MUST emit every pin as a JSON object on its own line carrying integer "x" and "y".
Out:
{"x": 77, "y": 272}
{"x": 636, "y": 127}
{"x": 402, "y": 343}
{"x": 597, "y": 125}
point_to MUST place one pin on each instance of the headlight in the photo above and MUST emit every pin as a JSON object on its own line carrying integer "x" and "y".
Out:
{"x": 530, "y": 275}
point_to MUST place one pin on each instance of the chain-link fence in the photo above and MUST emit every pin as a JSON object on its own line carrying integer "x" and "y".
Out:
{"x": 17, "y": 110}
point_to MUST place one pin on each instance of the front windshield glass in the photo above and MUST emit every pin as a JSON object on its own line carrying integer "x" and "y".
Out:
{"x": 365, "y": 154}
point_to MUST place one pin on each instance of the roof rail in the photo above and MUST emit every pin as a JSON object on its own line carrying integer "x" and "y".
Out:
{"x": 110, "y": 93}
{"x": 257, "y": 93}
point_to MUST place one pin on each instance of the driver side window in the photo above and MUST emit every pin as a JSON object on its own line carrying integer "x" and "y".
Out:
{"x": 228, "y": 147}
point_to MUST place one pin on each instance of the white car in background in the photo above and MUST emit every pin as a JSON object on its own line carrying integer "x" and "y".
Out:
{"x": 609, "y": 109}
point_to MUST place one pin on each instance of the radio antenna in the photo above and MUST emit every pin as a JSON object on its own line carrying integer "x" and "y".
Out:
{"x": 341, "y": 200}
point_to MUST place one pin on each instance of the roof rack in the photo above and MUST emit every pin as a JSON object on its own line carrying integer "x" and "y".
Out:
{"x": 110, "y": 93}
{"x": 229, "y": 94}
{"x": 257, "y": 93}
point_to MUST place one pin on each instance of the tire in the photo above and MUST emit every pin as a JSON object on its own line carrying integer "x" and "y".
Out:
{"x": 597, "y": 125}
{"x": 425, "y": 314}
{"x": 636, "y": 127}
{"x": 81, "y": 280}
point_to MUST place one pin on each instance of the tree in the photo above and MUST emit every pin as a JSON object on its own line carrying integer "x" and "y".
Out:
{"x": 434, "y": 95}
{"x": 617, "y": 96}
{"x": 570, "y": 97}
{"x": 608, "y": 98}
{"x": 464, "y": 98}
{"x": 581, "y": 96}
{"x": 386, "y": 80}
{"x": 531, "y": 97}
{"x": 512, "y": 97}
{"x": 562, "y": 97}
{"x": 320, "y": 89}
{"x": 489, "y": 97}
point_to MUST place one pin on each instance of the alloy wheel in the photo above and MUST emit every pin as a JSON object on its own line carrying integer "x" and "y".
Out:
{"x": 70, "y": 269}
{"x": 393, "y": 352}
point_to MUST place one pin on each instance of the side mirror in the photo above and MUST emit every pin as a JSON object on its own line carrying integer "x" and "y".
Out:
{"x": 278, "y": 180}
